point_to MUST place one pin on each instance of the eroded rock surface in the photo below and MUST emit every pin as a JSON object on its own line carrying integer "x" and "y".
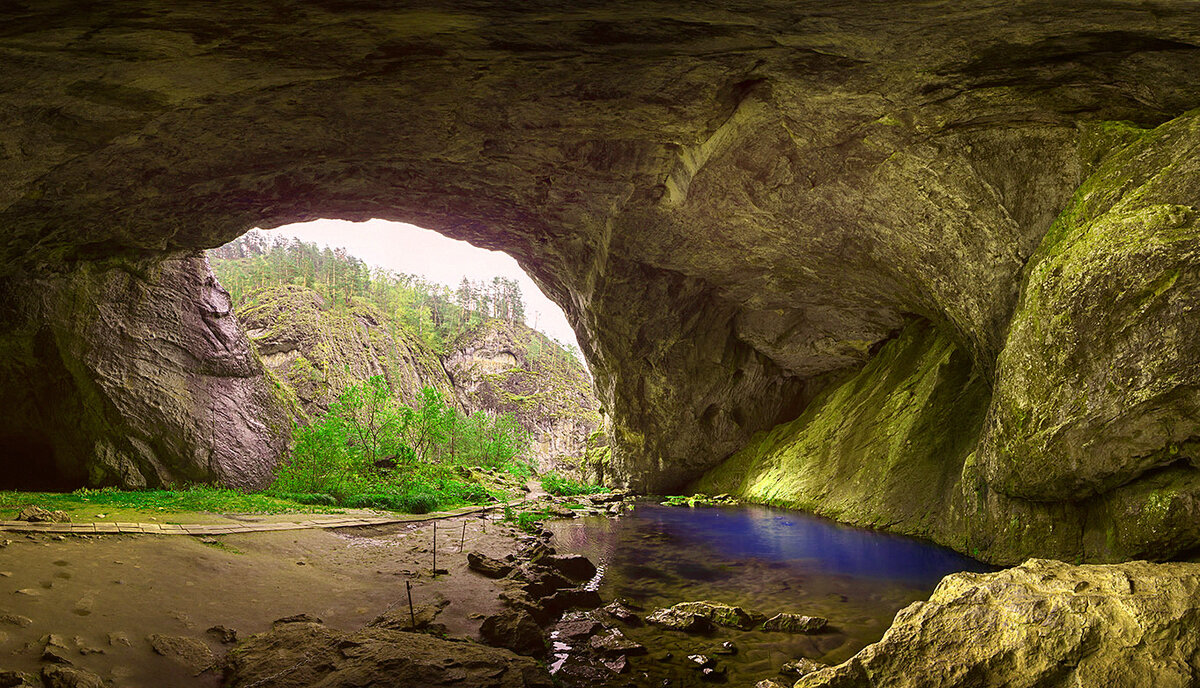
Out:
{"x": 736, "y": 206}
{"x": 1080, "y": 446}
{"x": 1043, "y": 624}
{"x": 137, "y": 376}
{"x": 505, "y": 367}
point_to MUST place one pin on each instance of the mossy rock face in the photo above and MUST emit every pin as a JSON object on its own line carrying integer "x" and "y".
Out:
{"x": 318, "y": 348}
{"x": 1039, "y": 625}
{"x": 896, "y": 447}
{"x": 1099, "y": 380}
{"x": 507, "y": 367}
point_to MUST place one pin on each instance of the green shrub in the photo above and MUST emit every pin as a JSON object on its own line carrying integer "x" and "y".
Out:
{"x": 563, "y": 486}
{"x": 430, "y": 444}
{"x": 311, "y": 498}
{"x": 417, "y": 503}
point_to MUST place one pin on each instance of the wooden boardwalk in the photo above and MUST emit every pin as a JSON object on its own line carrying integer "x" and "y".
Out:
{"x": 311, "y": 521}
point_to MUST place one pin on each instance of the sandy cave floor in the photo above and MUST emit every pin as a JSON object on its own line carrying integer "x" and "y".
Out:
{"x": 92, "y": 589}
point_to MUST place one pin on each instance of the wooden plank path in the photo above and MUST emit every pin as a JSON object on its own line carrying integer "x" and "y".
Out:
{"x": 108, "y": 527}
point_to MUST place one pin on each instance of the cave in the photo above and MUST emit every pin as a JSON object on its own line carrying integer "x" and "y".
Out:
{"x": 925, "y": 268}
{"x": 29, "y": 464}
{"x": 750, "y": 215}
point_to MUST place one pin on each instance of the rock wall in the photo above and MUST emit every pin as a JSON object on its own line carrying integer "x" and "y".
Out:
{"x": 1082, "y": 446}
{"x": 137, "y": 376}
{"x": 318, "y": 349}
{"x": 505, "y": 367}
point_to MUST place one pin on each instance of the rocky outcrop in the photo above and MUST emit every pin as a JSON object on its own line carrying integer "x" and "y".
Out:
{"x": 737, "y": 209}
{"x": 506, "y": 367}
{"x": 319, "y": 348}
{"x": 1044, "y": 624}
{"x": 310, "y": 654}
{"x": 1079, "y": 448}
{"x": 136, "y": 376}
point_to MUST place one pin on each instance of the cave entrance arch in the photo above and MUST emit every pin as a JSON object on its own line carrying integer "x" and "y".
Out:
{"x": 328, "y": 304}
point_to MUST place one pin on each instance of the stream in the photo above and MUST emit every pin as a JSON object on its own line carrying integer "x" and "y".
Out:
{"x": 765, "y": 560}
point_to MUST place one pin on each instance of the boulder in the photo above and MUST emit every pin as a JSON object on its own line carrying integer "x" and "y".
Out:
{"x": 572, "y": 598}
{"x": 801, "y": 666}
{"x": 69, "y": 677}
{"x": 794, "y": 623}
{"x": 614, "y": 642}
{"x": 401, "y": 618}
{"x": 37, "y": 514}
{"x": 302, "y": 655}
{"x": 574, "y": 566}
{"x": 719, "y": 613}
{"x": 678, "y": 620}
{"x": 17, "y": 679}
{"x": 191, "y": 653}
{"x": 222, "y": 634}
{"x": 577, "y": 627}
{"x": 516, "y": 630}
{"x": 539, "y": 581}
{"x": 1042, "y": 624}
{"x": 622, "y": 613}
{"x": 492, "y": 568}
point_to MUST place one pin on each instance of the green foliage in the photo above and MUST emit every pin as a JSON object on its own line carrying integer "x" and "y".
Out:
{"x": 563, "y": 486}
{"x": 528, "y": 521}
{"x": 432, "y": 311}
{"x": 371, "y": 451}
{"x": 201, "y": 498}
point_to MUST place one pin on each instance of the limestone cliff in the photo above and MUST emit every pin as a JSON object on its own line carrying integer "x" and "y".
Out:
{"x": 1043, "y": 624}
{"x": 506, "y": 367}
{"x": 136, "y": 376}
{"x": 318, "y": 348}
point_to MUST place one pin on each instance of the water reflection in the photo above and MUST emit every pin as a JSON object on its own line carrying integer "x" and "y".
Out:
{"x": 767, "y": 560}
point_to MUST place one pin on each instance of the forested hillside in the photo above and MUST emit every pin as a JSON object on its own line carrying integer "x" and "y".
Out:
{"x": 323, "y": 321}
{"x": 431, "y": 311}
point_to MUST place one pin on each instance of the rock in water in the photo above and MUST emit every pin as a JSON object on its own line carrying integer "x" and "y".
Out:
{"x": 677, "y": 620}
{"x": 336, "y": 659}
{"x": 614, "y": 642}
{"x": 801, "y": 667}
{"x": 571, "y": 598}
{"x": 794, "y": 623}
{"x": 719, "y": 613}
{"x": 621, "y": 613}
{"x": 574, "y": 566}
{"x": 1044, "y": 624}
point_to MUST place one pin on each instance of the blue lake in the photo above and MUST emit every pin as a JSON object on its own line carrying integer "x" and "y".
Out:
{"x": 766, "y": 560}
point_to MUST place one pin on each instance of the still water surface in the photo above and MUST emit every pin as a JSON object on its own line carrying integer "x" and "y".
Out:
{"x": 766, "y": 560}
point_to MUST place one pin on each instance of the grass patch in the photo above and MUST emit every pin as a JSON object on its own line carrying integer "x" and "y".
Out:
{"x": 563, "y": 486}
{"x": 199, "y": 498}
{"x": 528, "y": 521}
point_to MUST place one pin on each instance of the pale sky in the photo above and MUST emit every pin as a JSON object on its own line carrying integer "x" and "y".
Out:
{"x": 408, "y": 248}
